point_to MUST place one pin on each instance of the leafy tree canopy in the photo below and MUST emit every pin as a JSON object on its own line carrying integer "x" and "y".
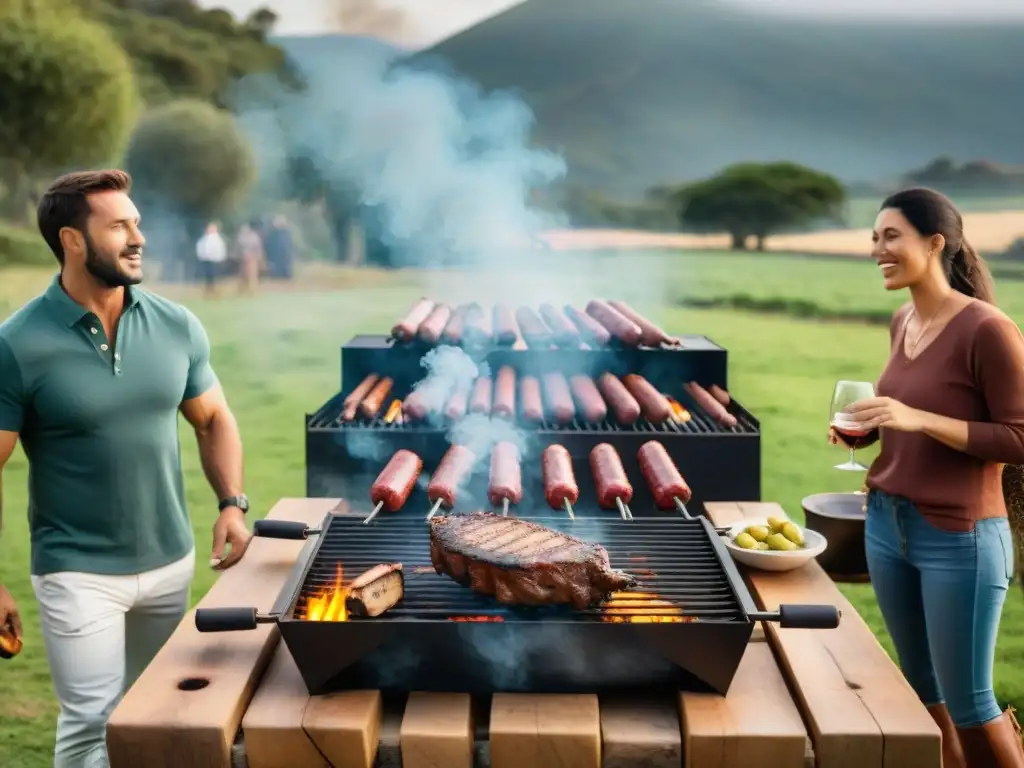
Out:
{"x": 752, "y": 199}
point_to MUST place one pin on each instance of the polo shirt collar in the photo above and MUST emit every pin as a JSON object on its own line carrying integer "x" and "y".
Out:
{"x": 70, "y": 310}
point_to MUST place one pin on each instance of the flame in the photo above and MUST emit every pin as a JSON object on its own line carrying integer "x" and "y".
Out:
{"x": 679, "y": 413}
{"x": 477, "y": 619}
{"x": 329, "y": 603}
{"x": 393, "y": 411}
{"x": 623, "y": 607}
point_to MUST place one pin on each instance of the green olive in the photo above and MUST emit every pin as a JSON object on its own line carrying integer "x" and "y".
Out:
{"x": 779, "y": 542}
{"x": 762, "y": 546}
{"x": 746, "y": 541}
{"x": 776, "y": 523}
{"x": 759, "y": 532}
{"x": 791, "y": 532}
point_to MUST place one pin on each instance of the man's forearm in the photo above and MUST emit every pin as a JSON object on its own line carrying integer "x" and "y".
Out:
{"x": 220, "y": 451}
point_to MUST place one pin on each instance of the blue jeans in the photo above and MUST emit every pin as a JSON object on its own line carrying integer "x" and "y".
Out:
{"x": 941, "y": 594}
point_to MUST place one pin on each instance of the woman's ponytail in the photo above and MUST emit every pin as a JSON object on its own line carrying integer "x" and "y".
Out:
{"x": 969, "y": 274}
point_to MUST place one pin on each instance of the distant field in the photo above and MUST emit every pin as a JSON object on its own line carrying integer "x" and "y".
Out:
{"x": 277, "y": 355}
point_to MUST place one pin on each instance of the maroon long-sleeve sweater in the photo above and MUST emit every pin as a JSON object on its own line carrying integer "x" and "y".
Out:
{"x": 973, "y": 371}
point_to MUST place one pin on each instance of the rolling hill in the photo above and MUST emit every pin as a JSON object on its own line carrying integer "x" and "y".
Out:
{"x": 659, "y": 91}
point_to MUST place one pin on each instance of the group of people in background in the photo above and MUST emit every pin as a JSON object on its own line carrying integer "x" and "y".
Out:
{"x": 254, "y": 250}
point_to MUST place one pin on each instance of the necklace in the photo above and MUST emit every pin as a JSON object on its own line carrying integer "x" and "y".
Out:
{"x": 925, "y": 327}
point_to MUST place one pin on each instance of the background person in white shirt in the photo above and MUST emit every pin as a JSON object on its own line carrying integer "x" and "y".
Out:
{"x": 212, "y": 252}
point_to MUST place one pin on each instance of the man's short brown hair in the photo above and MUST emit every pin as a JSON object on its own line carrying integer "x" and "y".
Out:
{"x": 65, "y": 203}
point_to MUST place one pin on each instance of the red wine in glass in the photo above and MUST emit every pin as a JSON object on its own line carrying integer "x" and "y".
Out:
{"x": 855, "y": 438}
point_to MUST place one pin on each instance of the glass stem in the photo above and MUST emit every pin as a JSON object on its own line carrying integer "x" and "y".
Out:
{"x": 853, "y": 459}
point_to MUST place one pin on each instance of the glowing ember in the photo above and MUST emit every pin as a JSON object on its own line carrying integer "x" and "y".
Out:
{"x": 329, "y": 603}
{"x": 641, "y": 608}
{"x": 394, "y": 411}
{"x": 679, "y": 413}
{"x": 477, "y": 619}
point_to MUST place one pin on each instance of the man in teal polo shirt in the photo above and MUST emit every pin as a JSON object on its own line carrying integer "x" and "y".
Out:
{"x": 93, "y": 374}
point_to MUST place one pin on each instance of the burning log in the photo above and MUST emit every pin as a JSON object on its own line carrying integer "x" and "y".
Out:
{"x": 376, "y": 590}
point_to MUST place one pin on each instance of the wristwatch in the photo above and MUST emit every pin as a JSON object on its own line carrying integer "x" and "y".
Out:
{"x": 241, "y": 501}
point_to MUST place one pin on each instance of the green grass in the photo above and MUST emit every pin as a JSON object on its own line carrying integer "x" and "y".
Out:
{"x": 861, "y": 211}
{"x": 277, "y": 355}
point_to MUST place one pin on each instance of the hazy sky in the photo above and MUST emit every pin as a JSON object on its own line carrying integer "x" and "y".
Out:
{"x": 416, "y": 23}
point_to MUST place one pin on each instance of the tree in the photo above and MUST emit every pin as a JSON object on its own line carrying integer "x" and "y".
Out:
{"x": 190, "y": 163}
{"x": 67, "y": 97}
{"x": 751, "y": 199}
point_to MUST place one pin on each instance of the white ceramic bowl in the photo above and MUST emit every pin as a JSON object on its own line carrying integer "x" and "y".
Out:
{"x": 774, "y": 560}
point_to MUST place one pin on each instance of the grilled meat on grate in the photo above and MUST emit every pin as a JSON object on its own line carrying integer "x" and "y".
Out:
{"x": 522, "y": 563}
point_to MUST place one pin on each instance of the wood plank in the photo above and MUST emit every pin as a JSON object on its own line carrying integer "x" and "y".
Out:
{"x": 161, "y": 725}
{"x": 437, "y": 731}
{"x": 757, "y": 725}
{"x": 545, "y": 731}
{"x": 272, "y": 726}
{"x": 861, "y": 710}
{"x": 345, "y": 726}
{"x": 640, "y": 733}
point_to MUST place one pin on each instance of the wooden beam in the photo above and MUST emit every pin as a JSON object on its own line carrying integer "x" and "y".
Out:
{"x": 186, "y": 707}
{"x": 545, "y": 731}
{"x": 437, "y": 730}
{"x": 640, "y": 732}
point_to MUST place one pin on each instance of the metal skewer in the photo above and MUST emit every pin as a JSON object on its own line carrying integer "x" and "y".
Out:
{"x": 568, "y": 509}
{"x": 376, "y": 511}
{"x": 623, "y": 510}
{"x": 504, "y": 507}
{"x": 434, "y": 509}
{"x": 682, "y": 508}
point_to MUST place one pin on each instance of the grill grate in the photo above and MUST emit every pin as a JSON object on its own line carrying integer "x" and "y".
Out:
{"x": 674, "y": 561}
{"x": 329, "y": 418}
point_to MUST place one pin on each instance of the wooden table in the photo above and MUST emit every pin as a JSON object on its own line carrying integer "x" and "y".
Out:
{"x": 830, "y": 698}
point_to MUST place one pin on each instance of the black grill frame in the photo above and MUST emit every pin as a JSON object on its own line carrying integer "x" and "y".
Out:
{"x": 702, "y": 654}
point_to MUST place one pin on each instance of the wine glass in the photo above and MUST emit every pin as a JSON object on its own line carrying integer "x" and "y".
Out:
{"x": 846, "y": 429}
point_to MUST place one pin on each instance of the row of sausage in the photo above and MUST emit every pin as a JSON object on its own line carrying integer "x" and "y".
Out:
{"x": 567, "y": 328}
{"x": 396, "y": 481}
{"x": 552, "y": 396}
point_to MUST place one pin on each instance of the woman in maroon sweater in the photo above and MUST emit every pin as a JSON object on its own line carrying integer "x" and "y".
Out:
{"x": 950, "y": 406}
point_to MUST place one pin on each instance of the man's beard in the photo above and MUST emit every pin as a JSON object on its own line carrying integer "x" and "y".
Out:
{"x": 107, "y": 271}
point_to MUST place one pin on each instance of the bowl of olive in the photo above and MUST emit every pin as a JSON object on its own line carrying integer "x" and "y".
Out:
{"x": 773, "y": 544}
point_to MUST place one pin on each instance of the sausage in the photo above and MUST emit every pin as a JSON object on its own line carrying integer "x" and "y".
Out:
{"x": 480, "y": 400}
{"x": 396, "y": 481}
{"x": 609, "y": 476}
{"x": 588, "y": 327}
{"x": 711, "y": 406}
{"x": 529, "y": 397}
{"x": 652, "y": 335}
{"x": 374, "y": 401}
{"x": 591, "y": 404}
{"x": 559, "y": 480}
{"x": 424, "y": 400}
{"x": 655, "y": 406}
{"x": 622, "y": 403}
{"x": 355, "y": 397}
{"x": 453, "y": 470}
{"x": 477, "y": 326}
{"x": 558, "y": 397}
{"x": 662, "y": 476}
{"x": 457, "y": 403}
{"x": 504, "y": 401}
{"x": 535, "y": 333}
{"x": 431, "y": 329}
{"x": 453, "y": 330}
{"x": 563, "y": 331}
{"x": 506, "y": 475}
{"x": 720, "y": 394}
{"x": 622, "y": 328}
{"x": 503, "y": 325}
{"x": 406, "y": 328}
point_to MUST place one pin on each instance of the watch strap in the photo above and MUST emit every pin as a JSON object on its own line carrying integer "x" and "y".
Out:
{"x": 242, "y": 502}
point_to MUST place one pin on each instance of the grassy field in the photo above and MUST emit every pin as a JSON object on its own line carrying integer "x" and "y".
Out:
{"x": 277, "y": 355}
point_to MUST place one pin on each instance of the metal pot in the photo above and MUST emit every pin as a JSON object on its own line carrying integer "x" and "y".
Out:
{"x": 839, "y": 517}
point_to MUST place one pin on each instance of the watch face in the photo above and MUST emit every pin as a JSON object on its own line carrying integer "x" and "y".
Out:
{"x": 243, "y": 503}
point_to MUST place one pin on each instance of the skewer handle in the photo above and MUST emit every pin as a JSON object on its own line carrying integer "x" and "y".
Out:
{"x": 434, "y": 509}
{"x": 504, "y": 507}
{"x": 568, "y": 509}
{"x": 623, "y": 510}
{"x": 376, "y": 511}
{"x": 682, "y": 509}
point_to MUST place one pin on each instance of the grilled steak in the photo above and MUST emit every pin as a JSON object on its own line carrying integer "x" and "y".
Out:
{"x": 522, "y": 563}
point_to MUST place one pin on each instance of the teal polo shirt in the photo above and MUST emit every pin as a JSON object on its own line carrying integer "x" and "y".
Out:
{"x": 98, "y": 420}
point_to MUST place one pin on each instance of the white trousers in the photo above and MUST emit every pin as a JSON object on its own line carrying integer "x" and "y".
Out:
{"x": 100, "y": 633}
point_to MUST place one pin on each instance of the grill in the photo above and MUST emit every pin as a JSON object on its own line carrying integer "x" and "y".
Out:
{"x": 685, "y": 626}
{"x": 723, "y": 464}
